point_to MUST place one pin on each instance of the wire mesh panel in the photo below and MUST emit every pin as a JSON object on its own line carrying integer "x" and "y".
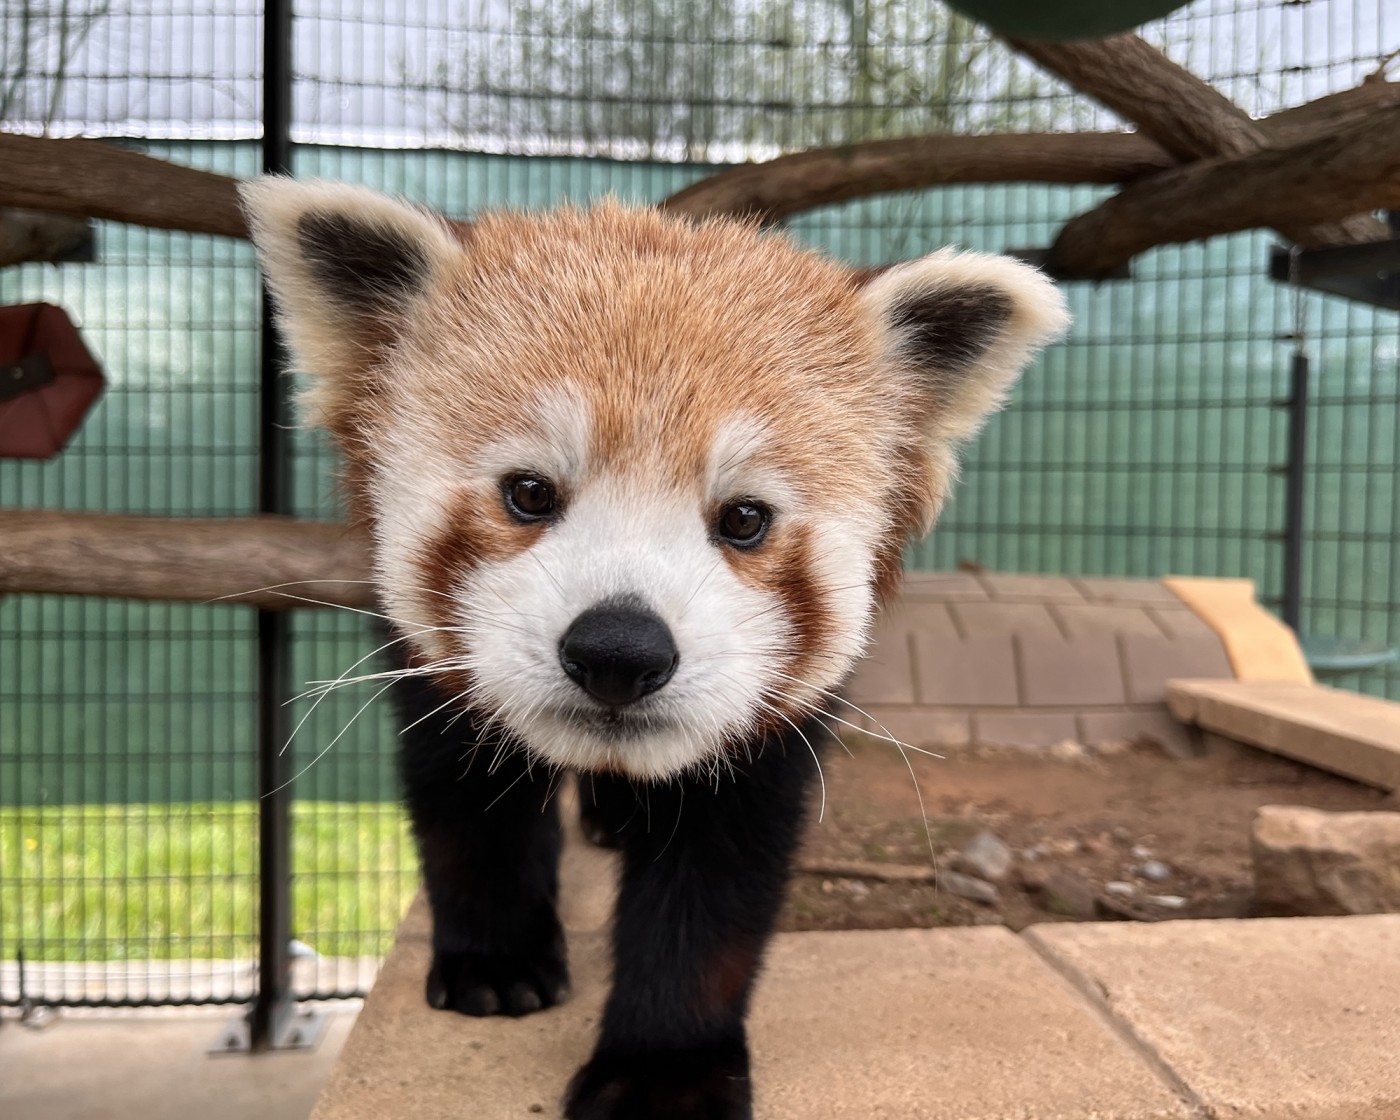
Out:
{"x": 1149, "y": 443}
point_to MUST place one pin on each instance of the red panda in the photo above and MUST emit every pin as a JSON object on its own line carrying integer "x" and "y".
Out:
{"x": 636, "y": 487}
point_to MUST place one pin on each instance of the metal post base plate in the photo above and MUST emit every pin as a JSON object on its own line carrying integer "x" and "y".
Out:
{"x": 292, "y": 1029}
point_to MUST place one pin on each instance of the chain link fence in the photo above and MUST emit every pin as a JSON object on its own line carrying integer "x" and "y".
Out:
{"x": 1150, "y": 443}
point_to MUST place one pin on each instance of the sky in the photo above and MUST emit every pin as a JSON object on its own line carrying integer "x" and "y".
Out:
{"x": 367, "y": 75}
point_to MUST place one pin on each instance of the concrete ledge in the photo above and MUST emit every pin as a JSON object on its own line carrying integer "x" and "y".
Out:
{"x": 1275, "y": 1019}
{"x": 1270, "y": 1019}
{"x": 1347, "y": 733}
{"x": 963, "y": 1024}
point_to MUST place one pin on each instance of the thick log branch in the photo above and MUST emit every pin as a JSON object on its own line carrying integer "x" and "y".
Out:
{"x": 794, "y": 183}
{"x": 1187, "y": 116}
{"x": 90, "y": 179}
{"x": 1350, "y": 170}
{"x": 32, "y": 235}
{"x": 236, "y": 560}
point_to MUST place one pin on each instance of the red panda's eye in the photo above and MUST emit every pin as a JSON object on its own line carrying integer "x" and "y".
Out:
{"x": 743, "y": 523}
{"x": 528, "y": 498}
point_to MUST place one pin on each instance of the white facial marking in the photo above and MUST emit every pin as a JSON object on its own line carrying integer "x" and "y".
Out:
{"x": 616, "y": 540}
{"x": 622, "y": 534}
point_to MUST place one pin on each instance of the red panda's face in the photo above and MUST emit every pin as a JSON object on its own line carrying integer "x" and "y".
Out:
{"x": 635, "y": 486}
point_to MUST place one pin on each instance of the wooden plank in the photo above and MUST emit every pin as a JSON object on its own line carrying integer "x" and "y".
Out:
{"x": 1344, "y": 732}
{"x": 1260, "y": 647}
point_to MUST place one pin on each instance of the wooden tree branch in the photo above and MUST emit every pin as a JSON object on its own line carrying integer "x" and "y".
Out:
{"x": 185, "y": 559}
{"x": 32, "y": 235}
{"x": 1348, "y": 170}
{"x": 90, "y": 179}
{"x": 794, "y": 183}
{"x": 1187, "y": 116}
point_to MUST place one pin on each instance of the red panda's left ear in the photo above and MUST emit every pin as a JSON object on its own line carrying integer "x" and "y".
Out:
{"x": 965, "y": 324}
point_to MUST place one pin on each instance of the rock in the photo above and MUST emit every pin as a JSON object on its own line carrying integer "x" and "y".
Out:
{"x": 1167, "y": 901}
{"x": 1067, "y": 750}
{"x": 1063, "y": 893}
{"x": 986, "y": 857}
{"x": 1153, "y": 869}
{"x": 1111, "y": 748}
{"x": 965, "y": 886}
{"x": 855, "y": 888}
{"x": 1310, "y": 862}
{"x": 1116, "y": 908}
{"x": 1120, "y": 888}
{"x": 1033, "y": 877}
{"x": 1140, "y": 852}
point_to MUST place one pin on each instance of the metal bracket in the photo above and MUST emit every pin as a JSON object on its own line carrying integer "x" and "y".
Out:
{"x": 1369, "y": 273}
{"x": 24, "y": 375}
{"x": 292, "y": 1029}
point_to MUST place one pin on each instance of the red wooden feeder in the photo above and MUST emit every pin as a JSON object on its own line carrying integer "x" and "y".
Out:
{"x": 48, "y": 381}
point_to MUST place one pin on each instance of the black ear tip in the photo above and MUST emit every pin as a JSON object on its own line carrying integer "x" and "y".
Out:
{"x": 950, "y": 327}
{"x": 361, "y": 264}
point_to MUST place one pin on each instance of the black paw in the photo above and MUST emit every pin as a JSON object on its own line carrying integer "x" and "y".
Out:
{"x": 700, "y": 1084}
{"x": 499, "y": 983}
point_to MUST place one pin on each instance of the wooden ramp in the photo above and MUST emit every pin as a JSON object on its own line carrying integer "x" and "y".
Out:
{"x": 1347, "y": 733}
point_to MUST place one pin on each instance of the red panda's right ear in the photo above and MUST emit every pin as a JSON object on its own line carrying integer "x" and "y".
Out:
{"x": 345, "y": 264}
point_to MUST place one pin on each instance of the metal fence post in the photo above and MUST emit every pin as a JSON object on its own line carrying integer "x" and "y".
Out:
{"x": 271, "y": 1009}
{"x": 1295, "y": 490}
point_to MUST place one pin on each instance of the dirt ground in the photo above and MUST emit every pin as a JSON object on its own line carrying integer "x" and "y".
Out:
{"x": 1074, "y": 825}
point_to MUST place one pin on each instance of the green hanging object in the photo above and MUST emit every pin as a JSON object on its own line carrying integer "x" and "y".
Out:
{"x": 1068, "y": 19}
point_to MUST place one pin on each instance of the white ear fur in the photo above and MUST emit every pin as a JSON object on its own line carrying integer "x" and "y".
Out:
{"x": 339, "y": 258}
{"x": 968, "y": 323}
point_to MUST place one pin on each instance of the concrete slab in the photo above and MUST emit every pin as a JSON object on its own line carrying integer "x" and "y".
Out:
{"x": 886, "y": 674}
{"x": 153, "y": 1066}
{"x": 1083, "y": 671}
{"x": 980, "y": 670}
{"x": 1350, "y": 734}
{"x": 885, "y": 1025}
{"x": 1027, "y": 728}
{"x": 1275, "y": 1019}
{"x": 1106, "y": 618}
{"x": 920, "y": 725}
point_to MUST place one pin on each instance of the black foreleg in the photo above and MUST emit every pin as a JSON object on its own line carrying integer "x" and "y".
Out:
{"x": 488, "y": 835}
{"x": 705, "y": 872}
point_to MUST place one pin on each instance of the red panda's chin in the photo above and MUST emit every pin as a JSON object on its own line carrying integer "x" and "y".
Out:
{"x": 639, "y": 744}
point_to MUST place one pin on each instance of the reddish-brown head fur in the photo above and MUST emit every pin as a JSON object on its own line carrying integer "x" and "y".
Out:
{"x": 653, "y": 372}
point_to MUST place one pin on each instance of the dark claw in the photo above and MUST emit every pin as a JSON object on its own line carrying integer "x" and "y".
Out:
{"x": 498, "y": 984}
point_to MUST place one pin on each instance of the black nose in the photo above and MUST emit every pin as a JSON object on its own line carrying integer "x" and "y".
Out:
{"x": 617, "y": 652}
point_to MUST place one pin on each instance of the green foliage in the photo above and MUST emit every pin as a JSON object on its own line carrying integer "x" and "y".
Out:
{"x": 728, "y": 80}
{"x": 37, "y": 44}
{"x": 173, "y": 881}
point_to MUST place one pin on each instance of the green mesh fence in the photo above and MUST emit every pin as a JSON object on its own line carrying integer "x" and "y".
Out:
{"x": 1149, "y": 443}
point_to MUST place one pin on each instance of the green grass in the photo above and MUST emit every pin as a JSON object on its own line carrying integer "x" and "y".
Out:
{"x": 110, "y": 882}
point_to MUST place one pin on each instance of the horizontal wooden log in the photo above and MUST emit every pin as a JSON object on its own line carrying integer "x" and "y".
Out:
{"x": 804, "y": 180}
{"x": 792, "y": 184}
{"x": 271, "y": 562}
{"x": 91, "y": 179}
{"x": 33, "y": 235}
{"x": 1186, "y": 115}
{"x": 1351, "y": 170}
